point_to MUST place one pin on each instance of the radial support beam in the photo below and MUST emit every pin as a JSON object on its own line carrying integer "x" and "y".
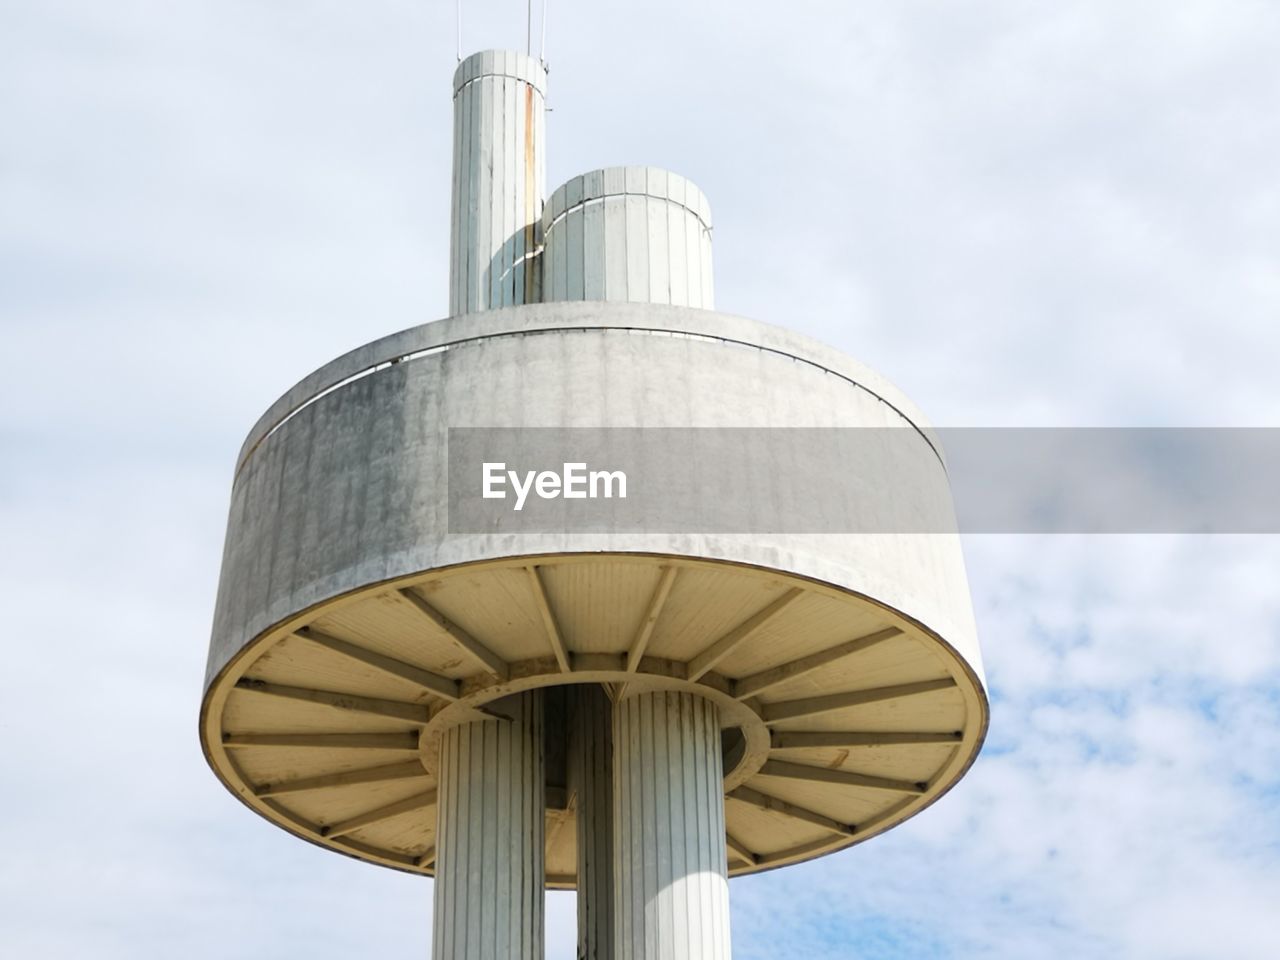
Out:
{"x": 671, "y": 897}
{"x": 847, "y": 778}
{"x": 740, "y": 850}
{"x": 709, "y": 657}
{"x": 490, "y": 841}
{"x": 790, "y": 709}
{"x": 401, "y": 742}
{"x": 431, "y": 682}
{"x": 405, "y": 770}
{"x": 554, "y": 636}
{"x": 418, "y": 801}
{"x": 759, "y": 682}
{"x": 591, "y": 781}
{"x": 762, "y": 801}
{"x": 394, "y": 709}
{"x": 650, "y": 618}
{"x": 488, "y": 661}
{"x": 783, "y": 740}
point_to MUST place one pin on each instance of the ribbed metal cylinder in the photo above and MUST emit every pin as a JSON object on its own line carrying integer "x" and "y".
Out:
{"x": 490, "y": 827}
{"x": 591, "y": 781}
{"x": 636, "y": 234}
{"x": 671, "y": 893}
{"x": 499, "y": 181}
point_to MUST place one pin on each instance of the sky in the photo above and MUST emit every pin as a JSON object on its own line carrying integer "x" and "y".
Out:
{"x": 1023, "y": 213}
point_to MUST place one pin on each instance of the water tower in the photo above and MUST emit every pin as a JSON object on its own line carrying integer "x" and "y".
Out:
{"x": 636, "y": 715}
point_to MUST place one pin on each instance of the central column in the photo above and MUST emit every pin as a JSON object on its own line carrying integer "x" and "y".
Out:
{"x": 671, "y": 886}
{"x": 490, "y": 824}
{"x": 591, "y": 780}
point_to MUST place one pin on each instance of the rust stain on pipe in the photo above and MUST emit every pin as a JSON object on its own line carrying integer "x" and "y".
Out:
{"x": 529, "y": 211}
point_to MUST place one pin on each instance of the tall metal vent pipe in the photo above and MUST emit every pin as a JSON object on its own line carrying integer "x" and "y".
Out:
{"x": 499, "y": 181}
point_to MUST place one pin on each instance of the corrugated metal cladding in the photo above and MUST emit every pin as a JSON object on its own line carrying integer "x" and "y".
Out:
{"x": 490, "y": 835}
{"x": 636, "y": 234}
{"x": 499, "y": 181}
{"x": 671, "y": 898}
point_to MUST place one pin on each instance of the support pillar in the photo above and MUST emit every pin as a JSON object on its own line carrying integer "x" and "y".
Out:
{"x": 671, "y": 894}
{"x": 491, "y": 814}
{"x": 591, "y": 780}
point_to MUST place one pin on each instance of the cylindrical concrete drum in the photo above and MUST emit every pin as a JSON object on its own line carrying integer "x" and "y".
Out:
{"x": 353, "y": 628}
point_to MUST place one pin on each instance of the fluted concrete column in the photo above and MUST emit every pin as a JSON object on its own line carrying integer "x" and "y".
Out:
{"x": 671, "y": 887}
{"x": 489, "y": 836}
{"x": 591, "y": 780}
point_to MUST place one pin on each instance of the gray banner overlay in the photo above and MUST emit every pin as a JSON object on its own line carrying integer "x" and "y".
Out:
{"x": 891, "y": 480}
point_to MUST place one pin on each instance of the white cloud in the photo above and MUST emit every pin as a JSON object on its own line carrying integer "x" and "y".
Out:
{"x": 1109, "y": 802}
{"x": 1026, "y": 213}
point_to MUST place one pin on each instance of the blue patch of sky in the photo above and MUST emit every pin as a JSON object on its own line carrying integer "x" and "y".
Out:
{"x": 835, "y": 936}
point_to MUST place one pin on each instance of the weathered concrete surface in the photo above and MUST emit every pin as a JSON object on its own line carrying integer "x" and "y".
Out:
{"x": 350, "y": 489}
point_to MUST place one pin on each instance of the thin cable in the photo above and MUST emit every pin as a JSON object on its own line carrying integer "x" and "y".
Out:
{"x": 542, "y": 53}
{"x": 528, "y": 30}
{"x": 459, "y": 8}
